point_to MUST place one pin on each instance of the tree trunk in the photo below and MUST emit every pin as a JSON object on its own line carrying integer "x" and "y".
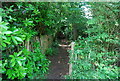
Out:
{"x": 75, "y": 33}
{"x": 27, "y": 45}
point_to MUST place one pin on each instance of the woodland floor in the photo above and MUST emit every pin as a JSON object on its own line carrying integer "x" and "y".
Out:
{"x": 59, "y": 63}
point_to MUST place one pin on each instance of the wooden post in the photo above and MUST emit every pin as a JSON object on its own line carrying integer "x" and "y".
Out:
{"x": 70, "y": 65}
{"x": 27, "y": 44}
{"x": 44, "y": 43}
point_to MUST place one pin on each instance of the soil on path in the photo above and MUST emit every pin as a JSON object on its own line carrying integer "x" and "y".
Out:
{"x": 59, "y": 63}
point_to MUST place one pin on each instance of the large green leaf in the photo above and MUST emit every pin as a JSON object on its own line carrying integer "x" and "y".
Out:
{"x": 18, "y": 38}
{"x": 19, "y": 62}
{"x": 13, "y": 39}
{"x": 6, "y": 41}
{"x": 19, "y": 53}
{"x": 7, "y": 32}
{"x": 3, "y": 44}
{"x": 21, "y": 58}
{"x": 12, "y": 63}
{"x": 3, "y": 37}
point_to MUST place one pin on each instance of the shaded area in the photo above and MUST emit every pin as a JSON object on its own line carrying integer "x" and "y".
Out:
{"x": 59, "y": 63}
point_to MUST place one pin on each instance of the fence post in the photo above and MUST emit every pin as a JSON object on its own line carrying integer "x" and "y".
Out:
{"x": 70, "y": 65}
{"x": 27, "y": 45}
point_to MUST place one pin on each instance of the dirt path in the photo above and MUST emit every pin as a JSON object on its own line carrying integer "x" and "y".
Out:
{"x": 59, "y": 63}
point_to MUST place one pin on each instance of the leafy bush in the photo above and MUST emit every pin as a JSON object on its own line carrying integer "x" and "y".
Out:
{"x": 25, "y": 64}
{"x": 17, "y": 62}
{"x": 96, "y": 54}
{"x": 94, "y": 60}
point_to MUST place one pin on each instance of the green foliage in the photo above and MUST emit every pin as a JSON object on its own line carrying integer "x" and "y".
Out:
{"x": 17, "y": 62}
{"x": 26, "y": 63}
{"x": 51, "y": 51}
{"x": 97, "y": 56}
{"x": 11, "y": 35}
{"x": 12, "y": 38}
{"x": 15, "y": 66}
{"x": 36, "y": 63}
{"x": 94, "y": 61}
{"x": 46, "y": 18}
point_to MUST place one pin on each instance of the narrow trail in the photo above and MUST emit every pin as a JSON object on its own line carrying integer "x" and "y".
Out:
{"x": 59, "y": 63}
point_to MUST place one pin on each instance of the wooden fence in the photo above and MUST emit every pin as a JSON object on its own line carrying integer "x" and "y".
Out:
{"x": 45, "y": 42}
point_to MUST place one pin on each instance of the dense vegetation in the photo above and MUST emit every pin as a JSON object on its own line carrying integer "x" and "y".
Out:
{"x": 96, "y": 36}
{"x": 98, "y": 54}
